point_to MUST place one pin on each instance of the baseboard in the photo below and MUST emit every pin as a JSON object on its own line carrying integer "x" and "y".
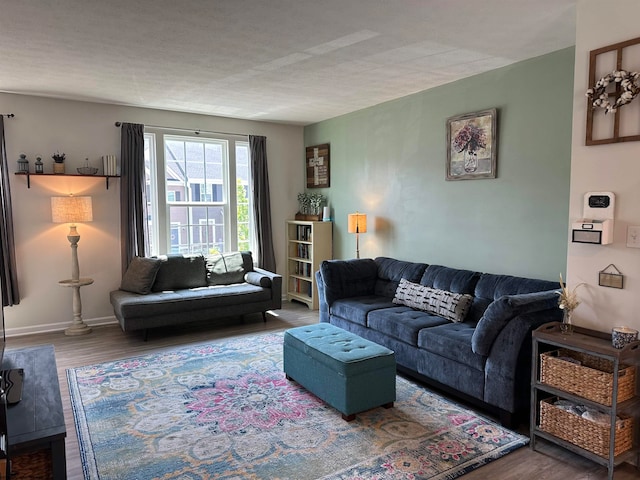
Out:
{"x": 57, "y": 327}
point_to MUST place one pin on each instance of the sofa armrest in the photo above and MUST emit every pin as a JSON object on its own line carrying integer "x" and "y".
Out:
{"x": 503, "y": 310}
{"x": 323, "y": 306}
{"x": 276, "y": 286}
{"x": 508, "y": 367}
{"x": 347, "y": 278}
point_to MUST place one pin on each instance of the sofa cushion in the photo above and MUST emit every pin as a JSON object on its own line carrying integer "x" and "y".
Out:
{"x": 452, "y": 341}
{"x": 225, "y": 268}
{"x": 390, "y": 271}
{"x": 348, "y": 278}
{"x": 356, "y": 309}
{"x": 452, "y": 306}
{"x": 450, "y": 279}
{"x": 503, "y": 310}
{"x": 181, "y": 302}
{"x": 140, "y": 275}
{"x": 495, "y": 286}
{"x": 490, "y": 287}
{"x": 402, "y": 323}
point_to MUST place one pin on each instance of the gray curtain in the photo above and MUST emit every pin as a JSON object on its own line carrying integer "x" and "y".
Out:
{"x": 134, "y": 234}
{"x": 261, "y": 202}
{"x": 8, "y": 271}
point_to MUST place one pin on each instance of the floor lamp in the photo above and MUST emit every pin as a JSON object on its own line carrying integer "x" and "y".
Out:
{"x": 73, "y": 210}
{"x": 357, "y": 225}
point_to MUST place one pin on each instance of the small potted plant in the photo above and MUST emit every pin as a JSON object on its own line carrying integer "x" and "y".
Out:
{"x": 58, "y": 159}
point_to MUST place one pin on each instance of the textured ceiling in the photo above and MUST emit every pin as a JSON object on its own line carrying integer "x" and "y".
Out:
{"x": 291, "y": 61}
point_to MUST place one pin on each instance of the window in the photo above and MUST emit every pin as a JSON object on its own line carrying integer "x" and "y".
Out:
{"x": 198, "y": 193}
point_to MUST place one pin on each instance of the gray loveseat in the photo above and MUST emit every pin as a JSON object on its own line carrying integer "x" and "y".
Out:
{"x": 177, "y": 289}
{"x": 484, "y": 356}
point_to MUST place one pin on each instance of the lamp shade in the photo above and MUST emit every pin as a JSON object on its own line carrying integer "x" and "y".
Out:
{"x": 71, "y": 209}
{"x": 357, "y": 222}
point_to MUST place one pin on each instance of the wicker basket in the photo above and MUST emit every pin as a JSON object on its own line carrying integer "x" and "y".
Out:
{"x": 591, "y": 379}
{"x": 584, "y": 433}
{"x": 33, "y": 465}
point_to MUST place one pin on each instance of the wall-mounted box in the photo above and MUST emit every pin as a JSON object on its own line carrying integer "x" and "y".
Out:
{"x": 592, "y": 231}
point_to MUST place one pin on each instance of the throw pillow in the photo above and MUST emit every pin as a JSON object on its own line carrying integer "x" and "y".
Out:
{"x": 140, "y": 275}
{"x": 225, "y": 268}
{"x": 257, "y": 279}
{"x": 178, "y": 272}
{"x": 452, "y": 306}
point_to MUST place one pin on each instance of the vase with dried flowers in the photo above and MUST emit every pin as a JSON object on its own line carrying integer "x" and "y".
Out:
{"x": 568, "y": 302}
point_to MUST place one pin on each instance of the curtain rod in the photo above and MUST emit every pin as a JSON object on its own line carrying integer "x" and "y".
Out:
{"x": 8, "y": 115}
{"x": 197, "y": 132}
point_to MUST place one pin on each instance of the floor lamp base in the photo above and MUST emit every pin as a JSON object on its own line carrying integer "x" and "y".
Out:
{"x": 81, "y": 329}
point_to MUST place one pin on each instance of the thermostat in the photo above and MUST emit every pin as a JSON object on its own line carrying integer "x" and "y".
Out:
{"x": 596, "y": 226}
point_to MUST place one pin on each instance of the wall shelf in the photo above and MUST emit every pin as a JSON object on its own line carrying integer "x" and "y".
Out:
{"x": 29, "y": 175}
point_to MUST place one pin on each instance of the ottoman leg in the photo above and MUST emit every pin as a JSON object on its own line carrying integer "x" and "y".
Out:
{"x": 388, "y": 405}
{"x": 286, "y": 375}
{"x": 349, "y": 418}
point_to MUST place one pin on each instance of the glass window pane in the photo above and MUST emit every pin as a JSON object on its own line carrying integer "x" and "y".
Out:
{"x": 149, "y": 160}
{"x": 199, "y": 193}
{"x": 243, "y": 197}
{"x": 214, "y": 166}
{"x": 196, "y": 229}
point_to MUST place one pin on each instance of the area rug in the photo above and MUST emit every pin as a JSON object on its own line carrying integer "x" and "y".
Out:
{"x": 225, "y": 411}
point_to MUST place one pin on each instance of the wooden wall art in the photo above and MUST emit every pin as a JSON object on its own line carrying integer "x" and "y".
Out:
{"x": 622, "y": 124}
{"x": 318, "y": 172}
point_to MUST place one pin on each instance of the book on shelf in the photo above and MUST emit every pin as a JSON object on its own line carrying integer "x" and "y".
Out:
{"x": 303, "y": 233}
{"x": 303, "y": 251}
{"x": 109, "y": 165}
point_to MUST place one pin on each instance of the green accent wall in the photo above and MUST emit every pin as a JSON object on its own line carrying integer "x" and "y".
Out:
{"x": 388, "y": 161}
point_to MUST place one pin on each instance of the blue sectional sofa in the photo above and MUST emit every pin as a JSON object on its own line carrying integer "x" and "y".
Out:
{"x": 484, "y": 356}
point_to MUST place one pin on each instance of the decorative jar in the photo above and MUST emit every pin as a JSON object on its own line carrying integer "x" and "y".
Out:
{"x": 566, "y": 327}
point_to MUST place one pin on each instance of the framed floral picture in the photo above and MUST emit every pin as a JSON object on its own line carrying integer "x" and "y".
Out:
{"x": 471, "y": 145}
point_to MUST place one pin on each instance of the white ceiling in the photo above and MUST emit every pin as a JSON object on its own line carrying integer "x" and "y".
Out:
{"x": 291, "y": 61}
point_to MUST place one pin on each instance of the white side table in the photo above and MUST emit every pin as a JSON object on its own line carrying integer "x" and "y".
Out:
{"x": 78, "y": 327}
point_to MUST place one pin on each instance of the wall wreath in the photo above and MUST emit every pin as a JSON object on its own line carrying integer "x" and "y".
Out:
{"x": 616, "y": 88}
{"x": 629, "y": 83}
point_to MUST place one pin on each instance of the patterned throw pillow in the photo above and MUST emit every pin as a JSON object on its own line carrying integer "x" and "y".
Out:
{"x": 452, "y": 306}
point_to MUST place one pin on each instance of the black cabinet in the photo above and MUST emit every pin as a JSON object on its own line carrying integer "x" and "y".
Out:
{"x": 37, "y": 421}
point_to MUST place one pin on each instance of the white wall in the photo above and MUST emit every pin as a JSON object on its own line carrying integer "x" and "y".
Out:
{"x": 80, "y": 129}
{"x": 611, "y": 167}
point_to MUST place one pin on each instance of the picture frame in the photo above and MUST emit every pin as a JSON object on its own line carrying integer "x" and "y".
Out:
{"x": 318, "y": 166}
{"x": 472, "y": 145}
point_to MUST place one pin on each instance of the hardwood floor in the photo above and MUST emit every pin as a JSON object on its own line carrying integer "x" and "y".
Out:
{"x": 109, "y": 343}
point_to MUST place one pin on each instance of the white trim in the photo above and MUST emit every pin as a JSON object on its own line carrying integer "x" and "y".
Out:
{"x": 56, "y": 327}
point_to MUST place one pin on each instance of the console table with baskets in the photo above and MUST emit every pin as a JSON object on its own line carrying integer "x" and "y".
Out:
{"x": 585, "y": 369}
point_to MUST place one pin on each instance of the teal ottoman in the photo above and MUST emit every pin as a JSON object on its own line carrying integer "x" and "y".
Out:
{"x": 346, "y": 371}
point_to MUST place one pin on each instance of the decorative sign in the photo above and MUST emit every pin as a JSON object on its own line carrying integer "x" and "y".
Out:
{"x": 608, "y": 278}
{"x": 318, "y": 174}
